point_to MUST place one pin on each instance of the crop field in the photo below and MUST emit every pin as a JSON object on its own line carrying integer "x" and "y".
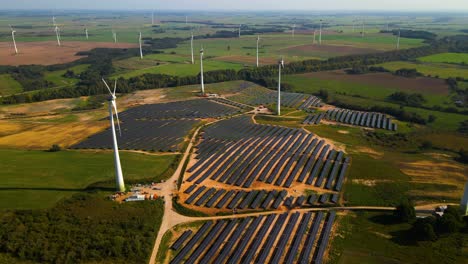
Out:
{"x": 304, "y": 238}
{"x": 48, "y": 53}
{"x": 376, "y": 86}
{"x": 453, "y": 58}
{"x": 36, "y": 184}
{"x": 438, "y": 70}
{"x": 8, "y": 85}
{"x": 181, "y": 69}
{"x": 57, "y": 76}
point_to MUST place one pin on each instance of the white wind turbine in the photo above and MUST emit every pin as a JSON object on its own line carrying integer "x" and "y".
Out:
{"x": 191, "y": 47}
{"x": 57, "y": 34}
{"x": 293, "y": 29}
{"x": 114, "y": 35}
{"x": 320, "y": 33}
{"x": 152, "y": 18}
{"x": 315, "y": 33}
{"x": 113, "y": 107}
{"x": 240, "y": 30}
{"x": 13, "y": 37}
{"x": 86, "y": 33}
{"x": 201, "y": 72}
{"x": 280, "y": 66}
{"x": 140, "y": 41}
{"x": 362, "y": 32}
{"x": 258, "y": 41}
{"x": 53, "y": 21}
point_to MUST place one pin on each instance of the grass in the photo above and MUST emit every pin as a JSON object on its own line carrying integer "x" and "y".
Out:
{"x": 179, "y": 208}
{"x": 8, "y": 85}
{"x": 182, "y": 69}
{"x": 440, "y": 70}
{"x": 454, "y": 58}
{"x": 44, "y": 177}
{"x": 374, "y": 237}
{"x": 59, "y": 80}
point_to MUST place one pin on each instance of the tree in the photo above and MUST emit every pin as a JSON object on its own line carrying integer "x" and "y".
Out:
{"x": 423, "y": 229}
{"x": 426, "y": 144}
{"x": 55, "y": 148}
{"x": 431, "y": 118}
{"x": 405, "y": 211}
{"x": 463, "y": 156}
{"x": 448, "y": 223}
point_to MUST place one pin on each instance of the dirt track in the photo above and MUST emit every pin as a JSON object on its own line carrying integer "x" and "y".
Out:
{"x": 48, "y": 53}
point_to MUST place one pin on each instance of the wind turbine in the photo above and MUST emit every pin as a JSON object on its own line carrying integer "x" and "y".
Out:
{"x": 86, "y": 33}
{"x": 320, "y": 33}
{"x": 280, "y": 66}
{"x": 186, "y": 20}
{"x": 354, "y": 24}
{"x": 113, "y": 107}
{"x": 201, "y": 72}
{"x": 53, "y": 21}
{"x": 57, "y": 33}
{"x": 240, "y": 30}
{"x": 13, "y": 37}
{"x": 258, "y": 41}
{"x": 152, "y": 18}
{"x": 315, "y": 33}
{"x": 114, "y": 35}
{"x": 140, "y": 41}
{"x": 191, "y": 47}
{"x": 293, "y": 29}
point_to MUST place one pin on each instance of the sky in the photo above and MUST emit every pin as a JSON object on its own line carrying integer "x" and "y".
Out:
{"x": 302, "y": 5}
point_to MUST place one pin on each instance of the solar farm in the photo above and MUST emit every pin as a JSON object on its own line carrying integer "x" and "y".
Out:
{"x": 272, "y": 238}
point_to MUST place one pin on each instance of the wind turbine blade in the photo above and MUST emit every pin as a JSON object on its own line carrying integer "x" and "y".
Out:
{"x": 114, "y": 104}
{"x": 115, "y": 87}
{"x": 107, "y": 86}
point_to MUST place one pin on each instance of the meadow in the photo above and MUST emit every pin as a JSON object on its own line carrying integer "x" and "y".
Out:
{"x": 454, "y": 58}
{"x": 44, "y": 178}
{"x": 437, "y": 70}
{"x": 8, "y": 85}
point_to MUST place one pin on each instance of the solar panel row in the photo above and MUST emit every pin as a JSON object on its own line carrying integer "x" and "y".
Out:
{"x": 367, "y": 119}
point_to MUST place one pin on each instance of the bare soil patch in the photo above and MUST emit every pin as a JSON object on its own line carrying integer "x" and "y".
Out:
{"x": 371, "y": 152}
{"x": 48, "y": 53}
{"x": 425, "y": 84}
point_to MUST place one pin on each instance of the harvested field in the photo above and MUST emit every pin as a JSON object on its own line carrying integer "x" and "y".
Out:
{"x": 39, "y": 108}
{"x": 246, "y": 59}
{"x": 48, "y": 53}
{"x": 420, "y": 84}
{"x": 317, "y": 50}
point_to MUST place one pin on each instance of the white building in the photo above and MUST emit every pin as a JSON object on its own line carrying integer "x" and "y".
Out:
{"x": 135, "y": 198}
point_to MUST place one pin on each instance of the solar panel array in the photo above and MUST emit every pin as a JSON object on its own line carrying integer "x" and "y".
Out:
{"x": 275, "y": 238}
{"x": 238, "y": 152}
{"x": 255, "y": 199}
{"x": 148, "y": 135}
{"x": 313, "y": 119}
{"x": 254, "y": 96}
{"x": 197, "y": 108}
{"x": 365, "y": 119}
{"x": 158, "y": 127}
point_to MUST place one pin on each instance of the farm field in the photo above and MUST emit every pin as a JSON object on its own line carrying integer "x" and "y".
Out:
{"x": 58, "y": 79}
{"x": 8, "y": 85}
{"x": 48, "y": 53}
{"x": 47, "y": 177}
{"x": 377, "y": 86}
{"x": 455, "y": 58}
{"x": 440, "y": 70}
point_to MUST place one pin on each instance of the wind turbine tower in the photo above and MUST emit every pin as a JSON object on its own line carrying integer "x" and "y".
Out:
{"x": 191, "y": 47}
{"x": 280, "y": 66}
{"x": 240, "y": 30}
{"x": 464, "y": 201}
{"x": 86, "y": 33}
{"x": 201, "y": 72}
{"x": 293, "y": 29}
{"x": 152, "y": 18}
{"x": 140, "y": 41}
{"x": 13, "y": 37}
{"x": 114, "y": 35}
{"x": 315, "y": 33}
{"x": 57, "y": 33}
{"x": 113, "y": 107}
{"x": 258, "y": 41}
{"x": 320, "y": 33}
{"x": 186, "y": 20}
{"x": 362, "y": 32}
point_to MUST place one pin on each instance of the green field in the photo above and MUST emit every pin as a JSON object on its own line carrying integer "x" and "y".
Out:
{"x": 59, "y": 80}
{"x": 455, "y": 58}
{"x": 46, "y": 177}
{"x": 8, "y": 85}
{"x": 438, "y": 70}
{"x": 182, "y": 69}
{"x": 375, "y": 238}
